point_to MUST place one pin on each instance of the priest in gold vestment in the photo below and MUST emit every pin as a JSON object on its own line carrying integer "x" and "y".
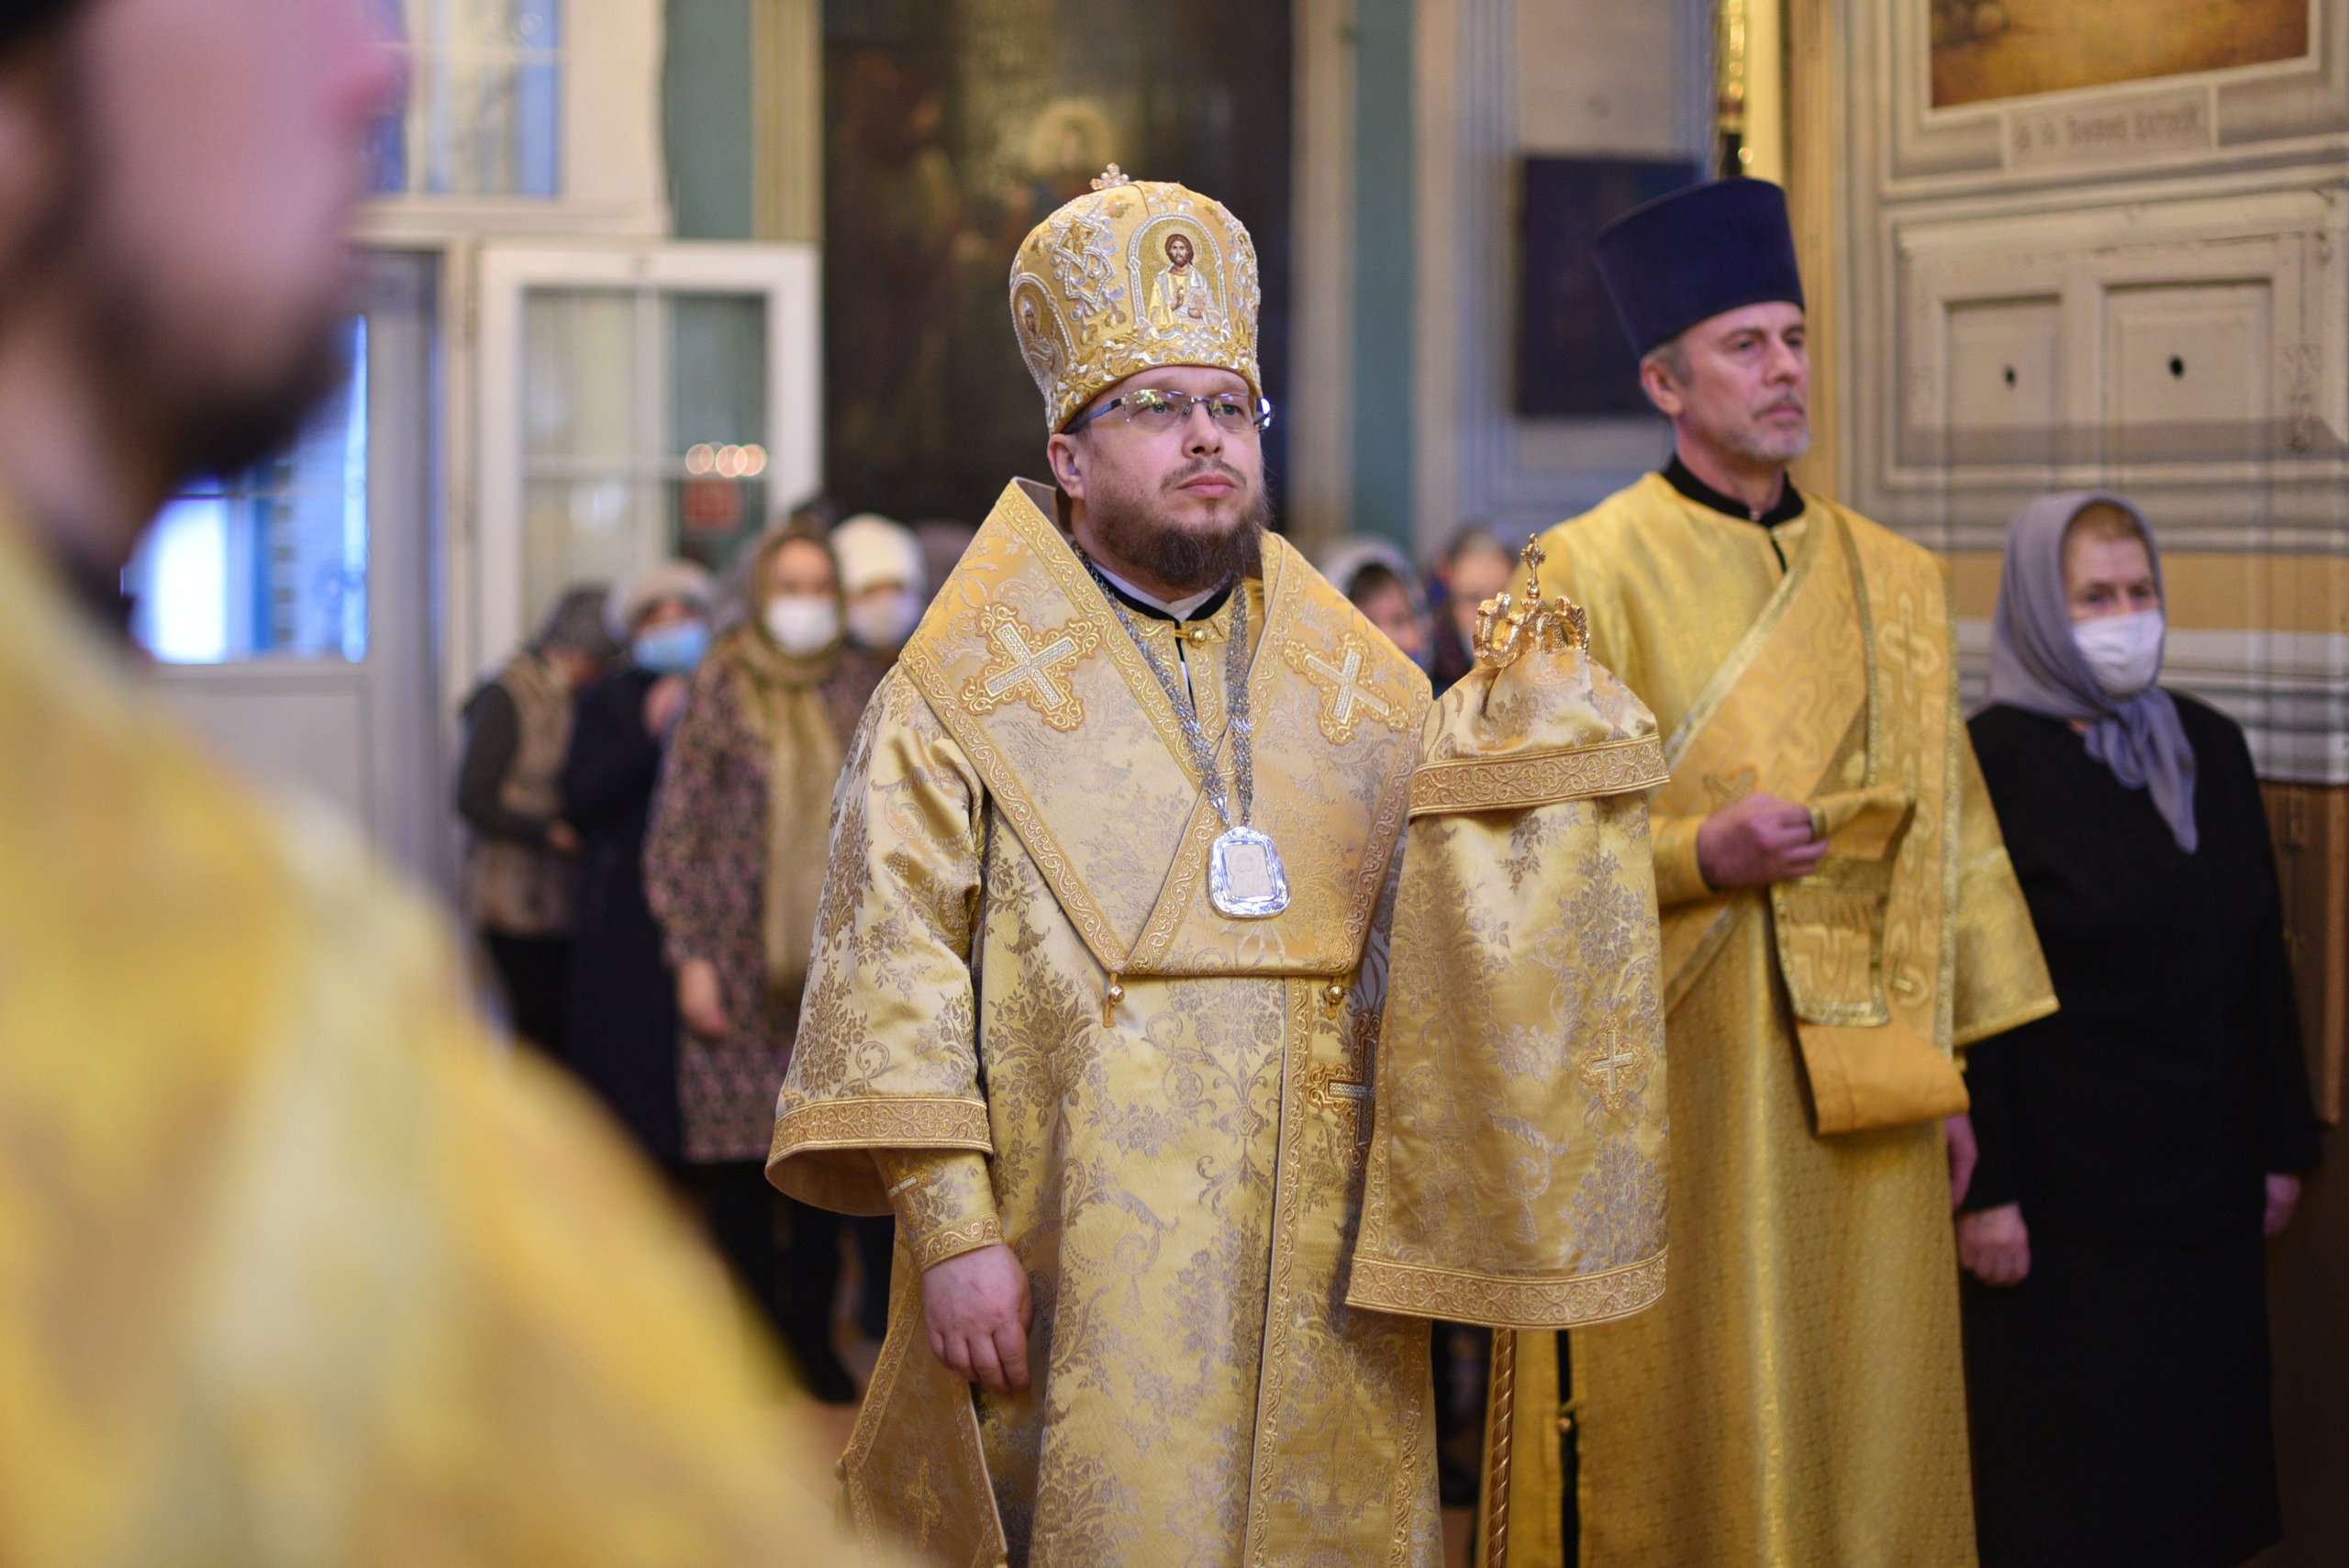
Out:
{"x": 1098, "y": 985}
{"x": 1840, "y": 921}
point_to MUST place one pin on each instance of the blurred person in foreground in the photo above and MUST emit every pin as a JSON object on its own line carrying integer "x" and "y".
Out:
{"x": 621, "y": 1017}
{"x": 1376, "y": 578}
{"x": 883, "y": 582}
{"x": 1840, "y": 923}
{"x": 301, "y": 1267}
{"x": 2137, "y": 1146}
{"x": 1476, "y": 566}
{"x": 734, "y": 866}
{"x": 520, "y": 882}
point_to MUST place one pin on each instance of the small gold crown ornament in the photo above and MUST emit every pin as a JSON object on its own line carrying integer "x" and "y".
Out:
{"x": 1506, "y": 634}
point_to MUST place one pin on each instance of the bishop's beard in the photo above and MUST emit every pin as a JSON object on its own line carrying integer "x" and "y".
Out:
{"x": 1135, "y": 529}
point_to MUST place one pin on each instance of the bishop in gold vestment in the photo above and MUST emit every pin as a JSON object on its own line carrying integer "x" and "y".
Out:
{"x": 1036, "y": 1020}
{"x": 1796, "y": 1398}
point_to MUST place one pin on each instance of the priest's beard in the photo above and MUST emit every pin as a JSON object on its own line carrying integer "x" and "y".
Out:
{"x": 1762, "y": 442}
{"x": 1137, "y": 528}
{"x": 205, "y": 419}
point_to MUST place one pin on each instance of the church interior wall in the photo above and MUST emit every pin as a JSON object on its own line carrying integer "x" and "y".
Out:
{"x": 1317, "y": 493}
{"x": 1500, "y": 79}
{"x": 709, "y": 118}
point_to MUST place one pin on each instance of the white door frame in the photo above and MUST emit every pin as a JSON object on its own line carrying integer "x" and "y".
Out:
{"x": 788, "y": 276}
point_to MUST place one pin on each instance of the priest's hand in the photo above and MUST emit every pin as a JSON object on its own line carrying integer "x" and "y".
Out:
{"x": 1755, "y": 842}
{"x": 2283, "y": 1198}
{"x": 1995, "y": 1245}
{"x": 976, "y": 1306}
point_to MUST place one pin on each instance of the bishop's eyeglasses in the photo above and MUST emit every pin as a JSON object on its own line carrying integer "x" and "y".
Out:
{"x": 1158, "y": 409}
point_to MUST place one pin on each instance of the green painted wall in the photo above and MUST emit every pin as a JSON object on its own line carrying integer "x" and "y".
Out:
{"x": 705, "y": 118}
{"x": 1384, "y": 269}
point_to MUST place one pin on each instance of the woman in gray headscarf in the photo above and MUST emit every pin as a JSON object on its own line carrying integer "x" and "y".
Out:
{"x": 2134, "y": 1147}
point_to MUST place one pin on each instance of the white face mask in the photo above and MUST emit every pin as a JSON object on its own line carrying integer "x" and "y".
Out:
{"x": 885, "y": 620}
{"x": 803, "y": 624}
{"x": 2125, "y": 651}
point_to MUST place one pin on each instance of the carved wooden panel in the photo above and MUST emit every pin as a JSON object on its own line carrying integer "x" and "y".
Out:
{"x": 2309, "y": 824}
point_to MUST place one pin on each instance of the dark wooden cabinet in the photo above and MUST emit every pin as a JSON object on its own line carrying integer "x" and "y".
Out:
{"x": 2310, "y": 826}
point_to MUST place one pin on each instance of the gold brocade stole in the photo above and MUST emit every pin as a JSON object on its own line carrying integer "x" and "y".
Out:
{"x": 1026, "y": 665}
{"x": 1843, "y": 694}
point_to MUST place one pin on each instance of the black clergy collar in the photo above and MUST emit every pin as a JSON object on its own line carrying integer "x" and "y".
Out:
{"x": 1206, "y": 611}
{"x": 1789, "y": 507}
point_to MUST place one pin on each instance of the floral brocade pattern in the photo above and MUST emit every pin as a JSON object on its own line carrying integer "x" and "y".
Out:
{"x": 1520, "y": 1169}
{"x": 1183, "y": 1205}
{"x": 1521, "y": 1134}
{"x": 944, "y": 1200}
{"x": 1112, "y": 815}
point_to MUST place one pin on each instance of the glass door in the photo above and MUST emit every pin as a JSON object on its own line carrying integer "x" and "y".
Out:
{"x": 636, "y": 404}
{"x": 288, "y": 610}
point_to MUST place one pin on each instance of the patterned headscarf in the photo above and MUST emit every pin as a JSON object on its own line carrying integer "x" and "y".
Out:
{"x": 781, "y": 697}
{"x": 2036, "y": 666}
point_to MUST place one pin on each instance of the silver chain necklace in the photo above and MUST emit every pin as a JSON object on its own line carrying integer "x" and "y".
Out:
{"x": 1245, "y": 879}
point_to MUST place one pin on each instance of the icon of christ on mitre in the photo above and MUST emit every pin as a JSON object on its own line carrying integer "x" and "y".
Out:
{"x": 1193, "y": 1089}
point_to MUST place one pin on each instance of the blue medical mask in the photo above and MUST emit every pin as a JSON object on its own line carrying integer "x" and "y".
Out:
{"x": 672, "y": 648}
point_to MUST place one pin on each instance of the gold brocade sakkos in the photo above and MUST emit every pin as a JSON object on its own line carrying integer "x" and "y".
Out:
{"x": 1803, "y": 1406}
{"x": 1017, "y": 960}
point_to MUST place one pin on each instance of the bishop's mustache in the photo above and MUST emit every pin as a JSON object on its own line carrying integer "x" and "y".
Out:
{"x": 1193, "y": 469}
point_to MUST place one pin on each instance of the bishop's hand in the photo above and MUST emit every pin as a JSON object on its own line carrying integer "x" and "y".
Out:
{"x": 1755, "y": 842}
{"x": 977, "y": 1309}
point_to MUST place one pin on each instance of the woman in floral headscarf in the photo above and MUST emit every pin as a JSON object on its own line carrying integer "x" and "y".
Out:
{"x": 2135, "y": 1145}
{"x": 734, "y": 867}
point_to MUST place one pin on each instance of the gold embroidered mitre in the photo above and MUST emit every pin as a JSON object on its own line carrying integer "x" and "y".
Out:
{"x": 1134, "y": 274}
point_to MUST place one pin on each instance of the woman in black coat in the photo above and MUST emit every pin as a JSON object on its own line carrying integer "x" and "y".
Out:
{"x": 621, "y": 1018}
{"x": 2136, "y": 1146}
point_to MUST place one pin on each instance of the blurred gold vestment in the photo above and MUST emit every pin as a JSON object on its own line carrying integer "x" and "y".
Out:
{"x": 295, "y": 1266}
{"x": 1796, "y": 1399}
{"x": 1025, "y": 1009}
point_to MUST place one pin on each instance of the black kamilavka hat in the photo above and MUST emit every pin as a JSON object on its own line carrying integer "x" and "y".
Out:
{"x": 1680, "y": 259}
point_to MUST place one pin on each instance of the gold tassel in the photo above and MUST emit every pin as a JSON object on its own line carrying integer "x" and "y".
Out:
{"x": 1110, "y": 1000}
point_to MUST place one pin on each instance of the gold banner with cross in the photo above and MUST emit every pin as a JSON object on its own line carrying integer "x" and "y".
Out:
{"x": 1517, "y": 1170}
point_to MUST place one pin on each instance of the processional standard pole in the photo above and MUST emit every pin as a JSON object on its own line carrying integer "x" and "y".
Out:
{"x": 1500, "y": 1425}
